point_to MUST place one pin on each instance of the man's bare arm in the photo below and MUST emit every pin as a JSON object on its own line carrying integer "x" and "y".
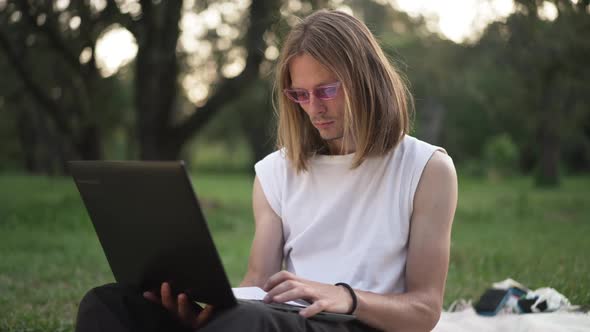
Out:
{"x": 428, "y": 256}
{"x": 266, "y": 254}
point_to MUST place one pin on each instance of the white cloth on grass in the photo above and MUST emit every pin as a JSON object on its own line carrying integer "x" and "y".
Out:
{"x": 469, "y": 321}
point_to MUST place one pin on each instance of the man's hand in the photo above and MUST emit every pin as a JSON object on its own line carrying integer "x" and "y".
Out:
{"x": 180, "y": 307}
{"x": 285, "y": 286}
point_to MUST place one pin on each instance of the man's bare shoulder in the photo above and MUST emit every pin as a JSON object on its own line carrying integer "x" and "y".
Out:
{"x": 440, "y": 167}
{"x": 438, "y": 184}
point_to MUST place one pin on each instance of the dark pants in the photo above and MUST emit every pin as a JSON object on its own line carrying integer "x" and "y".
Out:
{"x": 114, "y": 308}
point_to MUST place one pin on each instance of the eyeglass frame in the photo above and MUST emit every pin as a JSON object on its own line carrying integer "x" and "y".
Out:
{"x": 313, "y": 91}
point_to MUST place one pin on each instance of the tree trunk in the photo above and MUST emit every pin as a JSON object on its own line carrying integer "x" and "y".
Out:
{"x": 549, "y": 145}
{"x": 47, "y": 135}
{"x": 27, "y": 138}
{"x": 432, "y": 118}
{"x": 256, "y": 119}
{"x": 548, "y": 133}
{"x": 159, "y": 147}
{"x": 89, "y": 146}
{"x": 156, "y": 79}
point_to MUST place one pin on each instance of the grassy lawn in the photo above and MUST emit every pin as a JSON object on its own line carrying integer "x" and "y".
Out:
{"x": 49, "y": 254}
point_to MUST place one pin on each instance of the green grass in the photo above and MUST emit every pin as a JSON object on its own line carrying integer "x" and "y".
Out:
{"x": 49, "y": 254}
{"x": 538, "y": 237}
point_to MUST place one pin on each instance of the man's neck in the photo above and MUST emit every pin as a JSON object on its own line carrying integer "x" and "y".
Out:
{"x": 337, "y": 147}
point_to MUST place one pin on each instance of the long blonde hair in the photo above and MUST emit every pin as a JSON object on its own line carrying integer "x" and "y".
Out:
{"x": 377, "y": 101}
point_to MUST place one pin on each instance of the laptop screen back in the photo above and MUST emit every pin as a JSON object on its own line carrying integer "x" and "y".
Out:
{"x": 151, "y": 228}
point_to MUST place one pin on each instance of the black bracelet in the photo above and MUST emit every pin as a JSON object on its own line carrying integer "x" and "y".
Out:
{"x": 352, "y": 294}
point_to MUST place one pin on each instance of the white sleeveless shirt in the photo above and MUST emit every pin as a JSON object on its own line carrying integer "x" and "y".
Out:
{"x": 347, "y": 225}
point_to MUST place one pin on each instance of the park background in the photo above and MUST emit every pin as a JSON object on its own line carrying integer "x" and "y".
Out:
{"x": 501, "y": 84}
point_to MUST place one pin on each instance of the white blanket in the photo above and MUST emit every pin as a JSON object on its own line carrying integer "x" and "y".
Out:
{"x": 468, "y": 321}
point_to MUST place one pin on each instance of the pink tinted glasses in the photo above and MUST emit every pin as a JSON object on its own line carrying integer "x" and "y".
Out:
{"x": 324, "y": 92}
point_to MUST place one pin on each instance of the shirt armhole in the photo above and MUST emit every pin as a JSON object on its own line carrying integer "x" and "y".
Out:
{"x": 268, "y": 173}
{"x": 422, "y": 159}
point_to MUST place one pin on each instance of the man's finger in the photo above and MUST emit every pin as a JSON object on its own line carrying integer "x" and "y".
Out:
{"x": 186, "y": 312}
{"x": 204, "y": 315}
{"x": 168, "y": 301}
{"x": 312, "y": 310}
{"x": 289, "y": 295}
{"x": 278, "y": 278}
{"x": 283, "y": 287}
{"x": 152, "y": 297}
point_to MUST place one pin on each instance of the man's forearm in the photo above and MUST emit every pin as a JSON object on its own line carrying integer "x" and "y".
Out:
{"x": 398, "y": 312}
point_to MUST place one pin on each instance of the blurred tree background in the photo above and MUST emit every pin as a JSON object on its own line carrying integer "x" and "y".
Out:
{"x": 195, "y": 83}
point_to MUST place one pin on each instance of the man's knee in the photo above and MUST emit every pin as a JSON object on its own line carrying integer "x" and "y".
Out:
{"x": 112, "y": 306}
{"x": 94, "y": 310}
{"x": 115, "y": 307}
{"x": 106, "y": 295}
{"x": 93, "y": 297}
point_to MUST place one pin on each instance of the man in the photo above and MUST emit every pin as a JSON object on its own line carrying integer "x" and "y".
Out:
{"x": 357, "y": 211}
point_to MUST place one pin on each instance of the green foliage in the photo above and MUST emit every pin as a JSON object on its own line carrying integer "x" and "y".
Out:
{"x": 526, "y": 77}
{"x": 501, "y": 156}
{"x": 543, "y": 75}
{"x": 219, "y": 156}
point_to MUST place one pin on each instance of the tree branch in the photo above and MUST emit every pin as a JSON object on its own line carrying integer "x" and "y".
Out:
{"x": 261, "y": 18}
{"x": 50, "y": 31}
{"x": 112, "y": 13}
{"x": 39, "y": 95}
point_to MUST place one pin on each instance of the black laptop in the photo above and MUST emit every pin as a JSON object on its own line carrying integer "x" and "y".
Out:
{"x": 151, "y": 228}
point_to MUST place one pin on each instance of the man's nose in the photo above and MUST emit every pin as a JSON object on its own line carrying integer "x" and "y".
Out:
{"x": 316, "y": 105}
